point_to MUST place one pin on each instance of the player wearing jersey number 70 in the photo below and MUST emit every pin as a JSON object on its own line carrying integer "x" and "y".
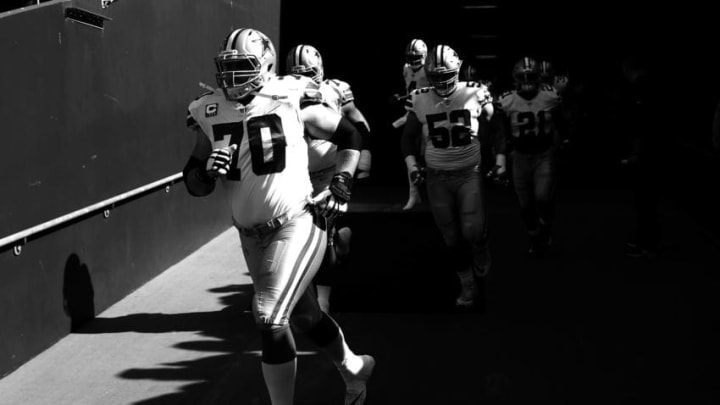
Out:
{"x": 250, "y": 134}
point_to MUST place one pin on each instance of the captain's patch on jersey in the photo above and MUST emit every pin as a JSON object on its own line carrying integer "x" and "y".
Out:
{"x": 211, "y": 110}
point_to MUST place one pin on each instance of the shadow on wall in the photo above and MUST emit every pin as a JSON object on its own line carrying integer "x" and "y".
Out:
{"x": 78, "y": 293}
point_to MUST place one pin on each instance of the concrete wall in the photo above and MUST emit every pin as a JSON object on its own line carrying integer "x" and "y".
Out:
{"x": 88, "y": 114}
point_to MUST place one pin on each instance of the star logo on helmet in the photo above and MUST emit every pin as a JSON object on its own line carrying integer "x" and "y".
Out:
{"x": 266, "y": 45}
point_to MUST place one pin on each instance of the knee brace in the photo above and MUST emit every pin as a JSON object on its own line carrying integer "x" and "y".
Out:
{"x": 278, "y": 344}
{"x": 324, "y": 331}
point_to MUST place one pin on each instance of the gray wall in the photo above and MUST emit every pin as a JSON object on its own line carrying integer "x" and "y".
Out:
{"x": 88, "y": 114}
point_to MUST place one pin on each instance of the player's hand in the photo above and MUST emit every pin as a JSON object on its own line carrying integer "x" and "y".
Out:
{"x": 498, "y": 175}
{"x": 560, "y": 83}
{"x": 417, "y": 176}
{"x": 329, "y": 205}
{"x": 218, "y": 164}
{"x": 414, "y": 198}
{"x": 333, "y": 201}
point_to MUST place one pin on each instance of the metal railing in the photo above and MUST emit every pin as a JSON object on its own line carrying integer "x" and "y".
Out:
{"x": 17, "y": 240}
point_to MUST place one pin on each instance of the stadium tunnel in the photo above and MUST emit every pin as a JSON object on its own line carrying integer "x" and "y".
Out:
{"x": 98, "y": 236}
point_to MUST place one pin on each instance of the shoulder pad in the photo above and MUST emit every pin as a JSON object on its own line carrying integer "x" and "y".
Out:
{"x": 207, "y": 93}
{"x": 311, "y": 94}
{"x": 472, "y": 84}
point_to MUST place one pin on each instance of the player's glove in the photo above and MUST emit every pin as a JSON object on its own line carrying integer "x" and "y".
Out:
{"x": 499, "y": 176}
{"x": 218, "y": 164}
{"x": 417, "y": 175}
{"x": 333, "y": 201}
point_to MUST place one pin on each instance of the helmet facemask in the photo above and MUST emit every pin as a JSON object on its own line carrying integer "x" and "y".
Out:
{"x": 415, "y": 61}
{"x": 313, "y": 72}
{"x": 526, "y": 74}
{"x": 528, "y": 84}
{"x": 444, "y": 82}
{"x": 238, "y": 74}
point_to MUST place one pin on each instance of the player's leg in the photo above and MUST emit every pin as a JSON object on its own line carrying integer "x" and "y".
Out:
{"x": 544, "y": 182}
{"x": 282, "y": 264}
{"x": 442, "y": 196}
{"x": 325, "y": 277}
{"x": 327, "y": 335}
{"x": 414, "y": 192}
{"x": 523, "y": 170}
{"x": 473, "y": 221}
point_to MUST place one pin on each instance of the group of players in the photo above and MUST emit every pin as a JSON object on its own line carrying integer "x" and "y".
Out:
{"x": 448, "y": 121}
{"x": 288, "y": 148}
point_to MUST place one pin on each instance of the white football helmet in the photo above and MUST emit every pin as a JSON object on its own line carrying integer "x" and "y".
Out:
{"x": 246, "y": 60}
{"x": 547, "y": 73}
{"x": 415, "y": 53}
{"x": 305, "y": 60}
{"x": 442, "y": 68}
{"x": 526, "y": 74}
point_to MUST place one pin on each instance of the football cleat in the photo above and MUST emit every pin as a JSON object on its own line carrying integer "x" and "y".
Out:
{"x": 468, "y": 290}
{"x": 356, "y": 383}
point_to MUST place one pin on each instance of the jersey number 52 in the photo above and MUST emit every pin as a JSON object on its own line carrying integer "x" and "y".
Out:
{"x": 444, "y": 137}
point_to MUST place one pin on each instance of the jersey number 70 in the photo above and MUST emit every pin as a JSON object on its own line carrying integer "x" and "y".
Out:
{"x": 266, "y": 140}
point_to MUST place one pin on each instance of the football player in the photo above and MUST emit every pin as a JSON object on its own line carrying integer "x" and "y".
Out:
{"x": 531, "y": 119}
{"x": 549, "y": 77}
{"x": 250, "y": 134}
{"x": 306, "y": 60}
{"x": 414, "y": 75}
{"x": 447, "y": 115}
{"x": 413, "y": 71}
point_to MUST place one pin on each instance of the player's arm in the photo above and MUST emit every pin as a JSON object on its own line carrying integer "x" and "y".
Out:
{"x": 324, "y": 123}
{"x": 409, "y": 146}
{"x": 486, "y": 103}
{"x": 198, "y": 182}
{"x": 205, "y": 165}
{"x": 351, "y": 112}
{"x": 498, "y": 129}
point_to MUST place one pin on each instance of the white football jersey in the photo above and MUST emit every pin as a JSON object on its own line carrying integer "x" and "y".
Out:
{"x": 450, "y": 125}
{"x": 414, "y": 79}
{"x": 269, "y": 171}
{"x": 531, "y": 123}
{"x": 321, "y": 153}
